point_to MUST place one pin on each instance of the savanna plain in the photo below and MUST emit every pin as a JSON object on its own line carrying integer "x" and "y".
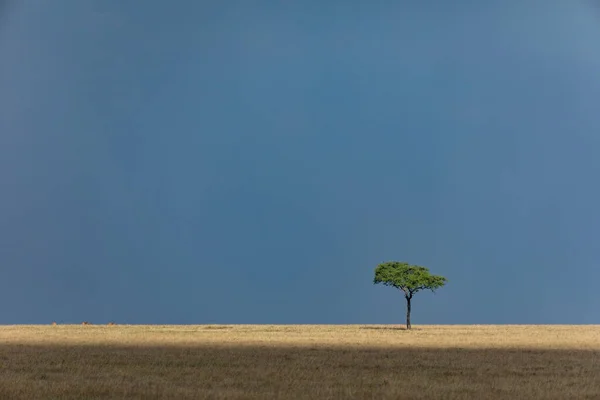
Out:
{"x": 299, "y": 362}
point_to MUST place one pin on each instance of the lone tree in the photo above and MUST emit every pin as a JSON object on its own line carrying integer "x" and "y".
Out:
{"x": 408, "y": 278}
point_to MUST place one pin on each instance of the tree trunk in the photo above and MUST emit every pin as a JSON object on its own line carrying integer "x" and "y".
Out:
{"x": 408, "y": 298}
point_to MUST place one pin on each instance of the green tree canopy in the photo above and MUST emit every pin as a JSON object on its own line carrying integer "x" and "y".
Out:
{"x": 410, "y": 279}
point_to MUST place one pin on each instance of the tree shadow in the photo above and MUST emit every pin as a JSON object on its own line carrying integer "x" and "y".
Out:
{"x": 216, "y": 327}
{"x": 389, "y": 328}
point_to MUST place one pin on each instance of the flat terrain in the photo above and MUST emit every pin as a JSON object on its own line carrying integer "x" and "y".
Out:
{"x": 300, "y": 362}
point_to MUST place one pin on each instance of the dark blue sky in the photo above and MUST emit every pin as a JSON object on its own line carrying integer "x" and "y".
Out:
{"x": 229, "y": 162}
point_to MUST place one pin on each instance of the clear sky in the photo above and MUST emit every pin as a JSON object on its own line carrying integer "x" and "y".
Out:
{"x": 252, "y": 162}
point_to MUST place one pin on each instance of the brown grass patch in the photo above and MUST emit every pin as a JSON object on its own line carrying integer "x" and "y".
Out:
{"x": 185, "y": 362}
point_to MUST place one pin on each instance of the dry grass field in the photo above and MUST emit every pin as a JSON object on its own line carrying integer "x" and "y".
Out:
{"x": 299, "y": 362}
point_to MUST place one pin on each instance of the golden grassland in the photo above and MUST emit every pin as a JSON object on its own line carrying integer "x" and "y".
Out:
{"x": 299, "y": 362}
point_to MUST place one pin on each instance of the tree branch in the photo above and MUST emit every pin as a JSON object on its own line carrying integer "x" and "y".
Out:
{"x": 402, "y": 288}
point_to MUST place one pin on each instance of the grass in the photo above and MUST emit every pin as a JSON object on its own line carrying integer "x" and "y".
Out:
{"x": 300, "y": 362}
